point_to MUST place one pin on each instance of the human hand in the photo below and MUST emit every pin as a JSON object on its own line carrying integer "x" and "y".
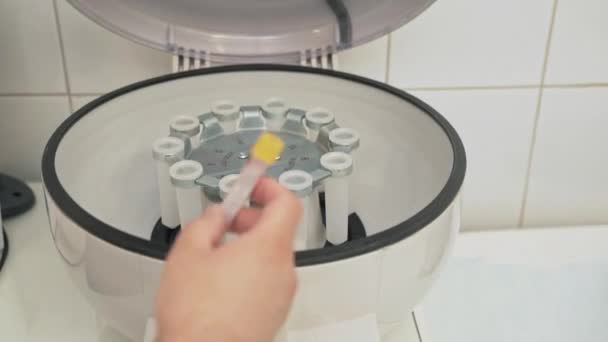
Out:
{"x": 237, "y": 291}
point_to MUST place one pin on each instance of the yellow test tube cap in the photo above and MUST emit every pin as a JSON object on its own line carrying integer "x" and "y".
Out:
{"x": 267, "y": 148}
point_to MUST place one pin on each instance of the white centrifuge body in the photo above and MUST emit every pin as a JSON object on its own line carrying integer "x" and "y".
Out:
{"x": 102, "y": 188}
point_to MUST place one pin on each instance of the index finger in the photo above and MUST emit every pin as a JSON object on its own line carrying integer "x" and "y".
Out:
{"x": 267, "y": 190}
{"x": 281, "y": 211}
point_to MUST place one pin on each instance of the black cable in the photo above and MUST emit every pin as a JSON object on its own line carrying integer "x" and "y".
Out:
{"x": 5, "y": 249}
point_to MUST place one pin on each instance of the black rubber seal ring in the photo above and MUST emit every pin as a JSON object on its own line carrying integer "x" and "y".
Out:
{"x": 4, "y": 255}
{"x": 372, "y": 243}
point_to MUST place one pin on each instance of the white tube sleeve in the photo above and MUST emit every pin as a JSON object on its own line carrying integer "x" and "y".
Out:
{"x": 317, "y": 118}
{"x": 340, "y": 165}
{"x": 336, "y": 209}
{"x": 190, "y": 198}
{"x": 166, "y": 151}
{"x": 274, "y": 110}
{"x": 301, "y": 184}
{"x": 169, "y": 214}
{"x": 227, "y": 113}
{"x": 190, "y": 204}
{"x": 189, "y": 126}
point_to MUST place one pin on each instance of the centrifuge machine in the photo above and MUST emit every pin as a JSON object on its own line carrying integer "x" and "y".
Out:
{"x": 378, "y": 171}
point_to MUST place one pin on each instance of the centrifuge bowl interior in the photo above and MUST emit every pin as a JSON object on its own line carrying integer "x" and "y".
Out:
{"x": 101, "y": 188}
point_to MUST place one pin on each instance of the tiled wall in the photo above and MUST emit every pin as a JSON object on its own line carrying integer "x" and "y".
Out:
{"x": 524, "y": 83}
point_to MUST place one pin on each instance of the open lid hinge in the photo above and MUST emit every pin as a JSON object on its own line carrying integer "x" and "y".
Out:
{"x": 320, "y": 58}
{"x": 191, "y": 60}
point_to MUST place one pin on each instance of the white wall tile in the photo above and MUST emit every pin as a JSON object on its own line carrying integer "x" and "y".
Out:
{"x": 30, "y": 57}
{"x": 99, "y": 61}
{"x": 26, "y": 123}
{"x": 579, "y": 47}
{"x": 472, "y": 43}
{"x": 569, "y": 175}
{"x": 496, "y": 129}
{"x": 368, "y": 60}
{"x": 79, "y": 101}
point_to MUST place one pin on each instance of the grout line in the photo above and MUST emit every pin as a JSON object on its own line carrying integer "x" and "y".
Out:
{"x": 524, "y": 202}
{"x": 496, "y": 87}
{"x": 86, "y": 94}
{"x": 455, "y": 88}
{"x": 416, "y": 326}
{"x": 389, "y": 46}
{"x": 547, "y": 86}
{"x": 32, "y": 94}
{"x": 575, "y": 85}
{"x": 63, "y": 58}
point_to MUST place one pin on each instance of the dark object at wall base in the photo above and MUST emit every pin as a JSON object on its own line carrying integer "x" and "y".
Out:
{"x": 4, "y": 251}
{"x": 15, "y": 196}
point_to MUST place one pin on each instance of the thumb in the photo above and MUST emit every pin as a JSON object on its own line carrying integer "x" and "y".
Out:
{"x": 204, "y": 233}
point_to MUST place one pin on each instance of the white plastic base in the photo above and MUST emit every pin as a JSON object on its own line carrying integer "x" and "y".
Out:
{"x": 121, "y": 283}
{"x": 361, "y": 329}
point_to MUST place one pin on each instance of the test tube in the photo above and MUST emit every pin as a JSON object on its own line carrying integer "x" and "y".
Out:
{"x": 317, "y": 118}
{"x": 227, "y": 113}
{"x": 300, "y": 183}
{"x": 166, "y": 152}
{"x": 226, "y": 184}
{"x": 340, "y": 165}
{"x": 263, "y": 153}
{"x": 190, "y": 198}
{"x": 188, "y": 126}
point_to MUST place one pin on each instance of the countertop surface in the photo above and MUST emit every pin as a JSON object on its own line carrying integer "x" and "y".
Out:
{"x": 522, "y": 286}
{"x": 517, "y": 285}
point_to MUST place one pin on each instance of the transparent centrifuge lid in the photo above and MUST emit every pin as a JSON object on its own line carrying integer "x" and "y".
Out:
{"x": 251, "y": 30}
